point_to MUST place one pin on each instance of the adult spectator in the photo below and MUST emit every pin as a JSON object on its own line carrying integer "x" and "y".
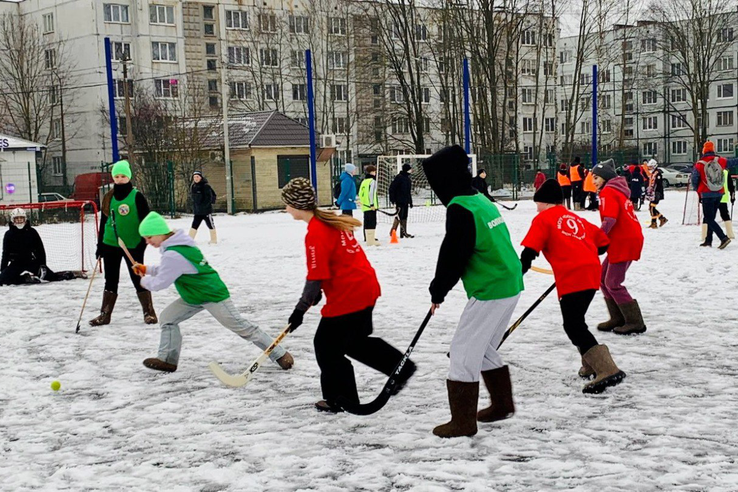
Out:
{"x": 576, "y": 174}
{"x": 347, "y": 199}
{"x": 707, "y": 179}
{"x": 400, "y": 194}
{"x": 479, "y": 183}
{"x": 203, "y": 198}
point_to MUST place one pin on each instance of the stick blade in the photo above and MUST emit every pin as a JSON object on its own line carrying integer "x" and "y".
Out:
{"x": 227, "y": 379}
{"x": 367, "y": 408}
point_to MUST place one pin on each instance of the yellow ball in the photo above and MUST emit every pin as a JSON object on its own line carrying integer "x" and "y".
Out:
{"x": 56, "y": 385}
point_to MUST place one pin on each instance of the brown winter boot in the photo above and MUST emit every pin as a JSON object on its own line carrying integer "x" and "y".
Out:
{"x": 395, "y": 225}
{"x": 500, "y": 391}
{"x": 586, "y": 370}
{"x": 159, "y": 365}
{"x": 662, "y": 220}
{"x": 286, "y": 361}
{"x": 144, "y": 297}
{"x": 616, "y": 317}
{"x": 608, "y": 374}
{"x": 462, "y": 398}
{"x": 633, "y": 319}
{"x": 653, "y": 224}
{"x": 106, "y": 310}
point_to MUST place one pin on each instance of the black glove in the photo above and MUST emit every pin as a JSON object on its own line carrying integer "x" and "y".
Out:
{"x": 98, "y": 253}
{"x": 411, "y": 205}
{"x": 526, "y": 258}
{"x": 296, "y": 319}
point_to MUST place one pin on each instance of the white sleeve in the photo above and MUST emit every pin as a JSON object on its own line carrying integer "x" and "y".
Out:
{"x": 172, "y": 266}
{"x": 372, "y": 192}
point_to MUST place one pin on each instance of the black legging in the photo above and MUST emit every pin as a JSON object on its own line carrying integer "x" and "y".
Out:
{"x": 574, "y": 309}
{"x": 12, "y": 273}
{"x": 345, "y": 335}
{"x": 112, "y": 256}
{"x": 370, "y": 219}
{"x": 403, "y": 211}
{"x": 724, "y": 212}
{"x": 197, "y": 220}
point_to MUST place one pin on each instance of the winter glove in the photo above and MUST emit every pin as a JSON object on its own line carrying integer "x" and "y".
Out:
{"x": 295, "y": 319}
{"x": 98, "y": 253}
{"x": 411, "y": 205}
{"x": 526, "y": 258}
{"x": 139, "y": 269}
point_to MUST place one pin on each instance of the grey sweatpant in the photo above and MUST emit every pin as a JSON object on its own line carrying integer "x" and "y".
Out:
{"x": 226, "y": 314}
{"x": 480, "y": 330}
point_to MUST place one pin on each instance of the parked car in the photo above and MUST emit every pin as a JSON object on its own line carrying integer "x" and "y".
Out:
{"x": 680, "y": 168}
{"x": 675, "y": 178}
{"x": 52, "y": 197}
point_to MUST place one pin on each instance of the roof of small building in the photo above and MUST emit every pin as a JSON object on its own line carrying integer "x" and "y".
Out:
{"x": 259, "y": 129}
{"x": 8, "y": 142}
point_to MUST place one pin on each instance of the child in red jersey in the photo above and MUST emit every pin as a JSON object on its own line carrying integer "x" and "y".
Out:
{"x": 572, "y": 246}
{"x": 626, "y": 242}
{"x": 337, "y": 265}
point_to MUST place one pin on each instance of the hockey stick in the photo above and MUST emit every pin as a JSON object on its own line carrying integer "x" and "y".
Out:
{"x": 525, "y": 314}
{"x": 506, "y": 207}
{"x": 391, "y": 384}
{"x": 391, "y": 214}
{"x": 125, "y": 250}
{"x": 89, "y": 287}
{"x": 542, "y": 270}
{"x": 242, "y": 379}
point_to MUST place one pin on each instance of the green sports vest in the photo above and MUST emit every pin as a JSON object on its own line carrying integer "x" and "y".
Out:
{"x": 364, "y": 198}
{"x": 726, "y": 194}
{"x": 494, "y": 270}
{"x": 123, "y": 222}
{"x": 203, "y": 286}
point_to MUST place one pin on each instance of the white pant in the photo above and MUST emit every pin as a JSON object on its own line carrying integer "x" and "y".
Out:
{"x": 481, "y": 328}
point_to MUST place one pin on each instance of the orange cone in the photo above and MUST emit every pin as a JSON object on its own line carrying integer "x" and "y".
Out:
{"x": 394, "y": 239}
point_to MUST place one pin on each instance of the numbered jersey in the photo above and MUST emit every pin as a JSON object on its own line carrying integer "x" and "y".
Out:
{"x": 570, "y": 245}
{"x": 626, "y": 236}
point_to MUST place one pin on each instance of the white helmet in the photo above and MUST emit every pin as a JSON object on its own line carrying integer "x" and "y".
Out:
{"x": 652, "y": 163}
{"x": 17, "y": 213}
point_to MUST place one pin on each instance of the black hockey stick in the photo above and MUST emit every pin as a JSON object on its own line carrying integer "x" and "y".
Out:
{"x": 506, "y": 207}
{"x": 391, "y": 214}
{"x": 389, "y": 387}
{"x": 525, "y": 314}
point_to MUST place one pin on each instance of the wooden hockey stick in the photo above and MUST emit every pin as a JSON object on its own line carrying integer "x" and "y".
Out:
{"x": 542, "y": 270}
{"x": 242, "y": 379}
{"x": 128, "y": 253}
{"x": 89, "y": 287}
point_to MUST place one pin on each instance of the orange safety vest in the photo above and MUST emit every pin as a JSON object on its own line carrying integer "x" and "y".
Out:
{"x": 563, "y": 179}
{"x": 589, "y": 183}
{"x": 574, "y": 173}
{"x": 645, "y": 171}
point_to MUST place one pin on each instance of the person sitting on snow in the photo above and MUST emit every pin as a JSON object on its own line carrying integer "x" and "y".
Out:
{"x": 24, "y": 256}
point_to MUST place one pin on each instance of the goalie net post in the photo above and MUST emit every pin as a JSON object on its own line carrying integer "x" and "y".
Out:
{"x": 67, "y": 229}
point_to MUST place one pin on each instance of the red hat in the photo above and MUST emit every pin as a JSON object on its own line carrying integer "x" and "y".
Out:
{"x": 708, "y": 147}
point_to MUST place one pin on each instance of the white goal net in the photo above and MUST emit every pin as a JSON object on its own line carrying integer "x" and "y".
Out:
{"x": 426, "y": 205}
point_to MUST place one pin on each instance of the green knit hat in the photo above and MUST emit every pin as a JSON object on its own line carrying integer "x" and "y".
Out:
{"x": 122, "y": 167}
{"x": 153, "y": 225}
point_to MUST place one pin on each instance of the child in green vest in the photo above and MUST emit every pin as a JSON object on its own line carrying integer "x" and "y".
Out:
{"x": 199, "y": 286}
{"x": 368, "y": 199}
{"x": 476, "y": 249}
{"x": 122, "y": 210}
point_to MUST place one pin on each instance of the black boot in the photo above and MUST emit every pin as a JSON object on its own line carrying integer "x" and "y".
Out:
{"x": 403, "y": 229}
{"x": 500, "y": 391}
{"x": 463, "y": 399}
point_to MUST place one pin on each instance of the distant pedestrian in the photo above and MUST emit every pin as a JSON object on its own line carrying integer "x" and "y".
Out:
{"x": 347, "y": 199}
{"x": 539, "y": 180}
{"x": 562, "y": 176}
{"x": 203, "y": 198}
{"x": 479, "y": 183}
{"x": 635, "y": 183}
{"x": 708, "y": 180}
{"x": 654, "y": 194}
{"x": 576, "y": 174}
{"x": 400, "y": 194}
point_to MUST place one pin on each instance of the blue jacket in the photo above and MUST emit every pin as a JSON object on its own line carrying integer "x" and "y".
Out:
{"x": 346, "y": 200}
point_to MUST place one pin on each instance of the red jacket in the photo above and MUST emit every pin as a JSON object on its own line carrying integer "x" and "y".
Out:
{"x": 540, "y": 179}
{"x": 626, "y": 236}
{"x": 699, "y": 169}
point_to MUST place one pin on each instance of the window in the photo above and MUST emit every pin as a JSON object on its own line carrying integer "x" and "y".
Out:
{"x": 725, "y": 145}
{"x": 424, "y": 95}
{"x": 292, "y": 166}
{"x": 213, "y": 101}
{"x": 584, "y": 102}
{"x": 567, "y": 79}
{"x": 297, "y": 59}
{"x": 528, "y": 37}
{"x": 161, "y": 14}
{"x": 606, "y": 126}
{"x": 120, "y": 51}
{"x": 57, "y": 166}
{"x": 725, "y": 34}
{"x": 299, "y": 92}
{"x": 725, "y": 91}
{"x": 122, "y": 126}
{"x": 115, "y": 13}
{"x": 400, "y": 125}
{"x": 628, "y": 74}
{"x": 119, "y": 89}
{"x": 678, "y": 95}
{"x": 54, "y": 94}
{"x": 604, "y": 75}
{"x": 396, "y": 95}
{"x": 650, "y": 123}
{"x": 208, "y": 12}
{"x": 337, "y": 26}
{"x": 565, "y": 57}
{"x": 548, "y": 68}
{"x": 527, "y": 96}
{"x": 50, "y": 58}
{"x": 585, "y": 78}
{"x": 337, "y": 59}
{"x": 239, "y": 55}
{"x": 213, "y": 85}
{"x": 164, "y": 52}
{"x": 268, "y": 22}
{"x": 628, "y": 121}
{"x": 628, "y": 133}
{"x": 299, "y": 24}
{"x": 269, "y": 57}
{"x": 423, "y": 64}
{"x": 235, "y": 19}
{"x": 549, "y": 97}
{"x": 421, "y": 32}
{"x": 426, "y": 129}
{"x": 241, "y": 90}
{"x": 340, "y": 125}
{"x": 165, "y": 88}
{"x": 212, "y": 65}
{"x": 648, "y": 44}
{"x": 679, "y": 147}
{"x": 725, "y": 118}
{"x": 210, "y": 49}
{"x": 678, "y": 122}
{"x": 48, "y": 23}
{"x": 585, "y": 127}
{"x": 649, "y": 97}
{"x": 606, "y": 101}
{"x": 527, "y": 67}
{"x": 725, "y": 63}
{"x": 650, "y": 148}
{"x": 650, "y": 70}
{"x": 339, "y": 92}
{"x": 56, "y": 129}
{"x": 629, "y": 101}
{"x": 677, "y": 69}
{"x": 549, "y": 124}
{"x": 209, "y": 29}
{"x": 564, "y": 105}
{"x": 377, "y": 89}
{"x": 271, "y": 92}
{"x": 527, "y": 153}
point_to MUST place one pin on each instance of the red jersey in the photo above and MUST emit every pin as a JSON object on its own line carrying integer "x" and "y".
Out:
{"x": 335, "y": 257}
{"x": 626, "y": 236}
{"x": 570, "y": 245}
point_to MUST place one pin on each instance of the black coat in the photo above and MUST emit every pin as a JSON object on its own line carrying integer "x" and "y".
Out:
{"x": 400, "y": 191}
{"x": 22, "y": 245}
{"x": 480, "y": 184}
{"x": 636, "y": 185}
{"x": 202, "y": 197}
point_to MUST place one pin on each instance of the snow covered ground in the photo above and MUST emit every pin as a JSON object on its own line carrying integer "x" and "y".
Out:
{"x": 115, "y": 425}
